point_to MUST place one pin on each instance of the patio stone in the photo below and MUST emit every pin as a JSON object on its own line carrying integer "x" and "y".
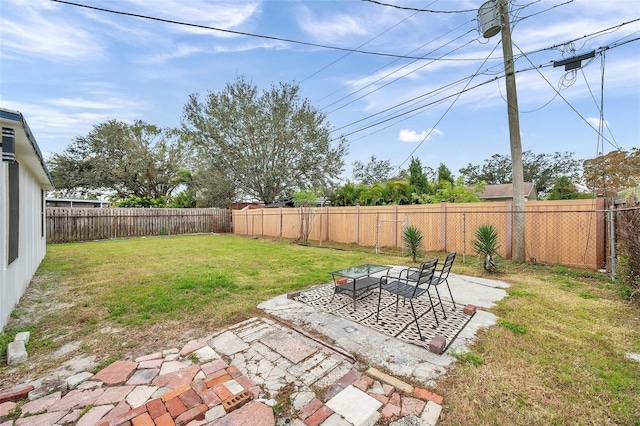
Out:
{"x": 412, "y": 406}
{"x": 344, "y": 403}
{"x": 140, "y": 395}
{"x": 150, "y": 357}
{"x": 117, "y": 373}
{"x": 94, "y": 415}
{"x": 192, "y": 346}
{"x": 152, "y": 363}
{"x": 143, "y": 377}
{"x": 76, "y": 379}
{"x": 205, "y": 354}
{"x": 228, "y": 343}
{"x": 15, "y": 394}
{"x": 40, "y": 419}
{"x": 288, "y": 346}
{"x": 178, "y": 378}
{"x": 397, "y": 383}
{"x": 41, "y": 404}
{"x": 431, "y": 413}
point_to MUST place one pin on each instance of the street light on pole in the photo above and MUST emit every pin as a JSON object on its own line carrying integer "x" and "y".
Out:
{"x": 491, "y": 25}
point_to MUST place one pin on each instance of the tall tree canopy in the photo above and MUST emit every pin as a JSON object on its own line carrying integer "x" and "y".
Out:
{"x": 268, "y": 144}
{"x": 543, "y": 169}
{"x": 611, "y": 173}
{"x": 130, "y": 160}
{"x": 374, "y": 171}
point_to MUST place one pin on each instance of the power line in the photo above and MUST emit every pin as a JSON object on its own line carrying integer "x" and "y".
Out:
{"x": 543, "y": 11}
{"x": 564, "y": 99}
{"x": 392, "y": 62}
{"x": 362, "y": 45}
{"x": 267, "y": 37}
{"x": 447, "y": 110}
{"x": 536, "y": 67}
{"x": 396, "y": 79}
{"x": 419, "y": 10}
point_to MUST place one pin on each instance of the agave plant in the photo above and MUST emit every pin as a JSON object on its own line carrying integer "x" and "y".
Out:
{"x": 412, "y": 238}
{"x": 486, "y": 245}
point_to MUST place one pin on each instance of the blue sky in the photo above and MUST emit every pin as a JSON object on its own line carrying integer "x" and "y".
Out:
{"x": 67, "y": 68}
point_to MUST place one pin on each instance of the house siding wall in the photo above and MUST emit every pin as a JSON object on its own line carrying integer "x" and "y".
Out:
{"x": 15, "y": 278}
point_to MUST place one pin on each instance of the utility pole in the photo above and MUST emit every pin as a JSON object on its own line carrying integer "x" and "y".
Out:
{"x": 514, "y": 135}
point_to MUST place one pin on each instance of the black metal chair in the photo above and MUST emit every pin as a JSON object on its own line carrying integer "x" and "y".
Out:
{"x": 409, "y": 284}
{"x": 442, "y": 278}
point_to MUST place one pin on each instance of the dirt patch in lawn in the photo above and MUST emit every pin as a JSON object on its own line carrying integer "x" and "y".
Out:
{"x": 61, "y": 346}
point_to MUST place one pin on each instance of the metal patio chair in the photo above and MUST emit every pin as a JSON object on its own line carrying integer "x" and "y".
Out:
{"x": 409, "y": 284}
{"x": 442, "y": 278}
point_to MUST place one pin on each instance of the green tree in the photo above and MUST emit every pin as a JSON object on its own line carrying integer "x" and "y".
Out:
{"x": 132, "y": 160}
{"x": 347, "y": 195}
{"x": 444, "y": 175}
{"x": 564, "y": 189}
{"x": 268, "y": 143}
{"x": 418, "y": 178}
{"x": 542, "y": 169}
{"x": 374, "y": 171}
{"x": 613, "y": 172}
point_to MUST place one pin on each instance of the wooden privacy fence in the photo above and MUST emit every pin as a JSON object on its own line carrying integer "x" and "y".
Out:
{"x": 568, "y": 232}
{"x": 82, "y": 224}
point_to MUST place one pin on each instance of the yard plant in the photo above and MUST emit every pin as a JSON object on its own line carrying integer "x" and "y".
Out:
{"x": 412, "y": 238}
{"x": 486, "y": 245}
{"x": 555, "y": 358}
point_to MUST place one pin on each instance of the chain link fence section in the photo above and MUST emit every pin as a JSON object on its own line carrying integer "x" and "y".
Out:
{"x": 566, "y": 232}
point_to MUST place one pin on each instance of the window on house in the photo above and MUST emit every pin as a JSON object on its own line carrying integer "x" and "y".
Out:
{"x": 14, "y": 210}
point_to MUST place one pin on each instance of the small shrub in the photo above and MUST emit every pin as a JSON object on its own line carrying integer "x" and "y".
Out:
{"x": 412, "y": 238}
{"x": 516, "y": 328}
{"x": 470, "y": 358}
{"x": 486, "y": 245}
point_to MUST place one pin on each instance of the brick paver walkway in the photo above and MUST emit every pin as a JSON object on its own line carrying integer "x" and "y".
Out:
{"x": 258, "y": 372}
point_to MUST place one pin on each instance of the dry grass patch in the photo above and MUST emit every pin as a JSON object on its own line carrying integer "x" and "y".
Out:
{"x": 567, "y": 366}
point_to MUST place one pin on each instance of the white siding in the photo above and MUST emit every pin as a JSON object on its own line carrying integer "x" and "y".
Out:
{"x": 15, "y": 278}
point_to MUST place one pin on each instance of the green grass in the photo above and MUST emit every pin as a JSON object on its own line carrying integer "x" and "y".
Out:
{"x": 557, "y": 356}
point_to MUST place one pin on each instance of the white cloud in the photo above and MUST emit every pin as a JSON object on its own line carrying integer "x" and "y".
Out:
{"x": 406, "y": 135}
{"x": 332, "y": 27}
{"x": 27, "y": 29}
{"x": 595, "y": 122}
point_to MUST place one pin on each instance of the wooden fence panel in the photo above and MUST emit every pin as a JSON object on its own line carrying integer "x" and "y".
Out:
{"x": 569, "y": 232}
{"x": 83, "y": 224}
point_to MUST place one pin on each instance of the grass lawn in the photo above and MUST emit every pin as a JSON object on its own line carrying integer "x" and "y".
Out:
{"x": 557, "y": 356}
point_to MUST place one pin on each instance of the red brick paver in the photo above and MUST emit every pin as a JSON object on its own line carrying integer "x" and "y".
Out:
{"x": 427, "y": 395}
{"x": 196, "y": 413}
{"x": 177, "y": 378}
{"x": 156, "y": 408}
{"x": 175, "y": 406}
{"x": 311, "y": 408}
{"x": 190, "y": 399}
{"x": 319, "y": 416}
{"x": 165, "y": 420}
{"x": 412, "y": 406}
{"x": 143, "y": 420}
{"x": 16, "y": 394}
{"x": 254, "y": 414}
{"x": 117, "y": 373}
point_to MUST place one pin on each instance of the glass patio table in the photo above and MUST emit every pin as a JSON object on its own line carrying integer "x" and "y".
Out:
{"x": 356, "y": 278}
